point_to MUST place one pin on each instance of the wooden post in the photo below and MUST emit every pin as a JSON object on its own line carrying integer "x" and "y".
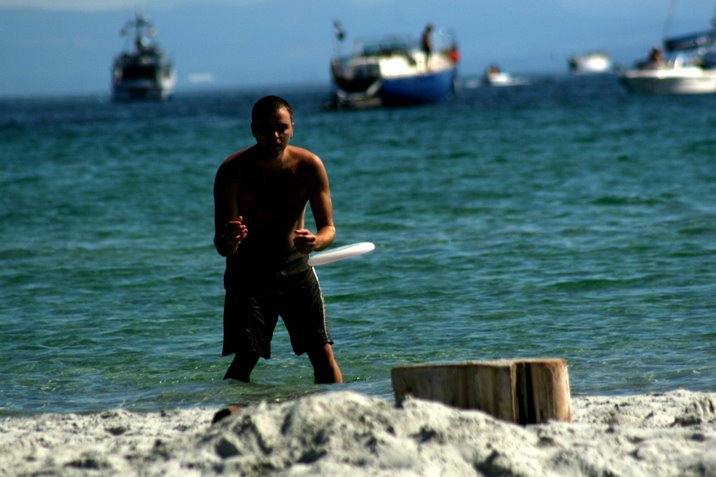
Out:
{"x": 524, "y": 391}
{"x": 542, "y": 391}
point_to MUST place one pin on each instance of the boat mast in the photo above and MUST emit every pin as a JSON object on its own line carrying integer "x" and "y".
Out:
{"x": 669, "y": 18}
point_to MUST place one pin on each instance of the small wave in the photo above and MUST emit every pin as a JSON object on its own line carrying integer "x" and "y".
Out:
{"x": 612, "y": 200}
{"x": 595, "y": 284}
{"x": 696, "y": 230}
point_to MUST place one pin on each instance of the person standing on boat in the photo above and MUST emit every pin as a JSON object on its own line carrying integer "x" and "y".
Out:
{"x": 426, "y": 43}
{"x": 260, "y": 198}
{"x": 654, "y": 60}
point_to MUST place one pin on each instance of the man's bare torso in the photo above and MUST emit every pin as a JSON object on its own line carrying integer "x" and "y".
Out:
{"x": 271, "y": 194}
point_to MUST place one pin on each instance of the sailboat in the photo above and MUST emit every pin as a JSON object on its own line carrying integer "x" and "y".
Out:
{"x": 683, "y": 65}
{"x": 144, "y": 72}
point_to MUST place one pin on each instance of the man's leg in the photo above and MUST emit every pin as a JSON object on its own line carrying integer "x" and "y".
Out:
{"x": 325, "y": 367}
{"x": 241, "y": 367}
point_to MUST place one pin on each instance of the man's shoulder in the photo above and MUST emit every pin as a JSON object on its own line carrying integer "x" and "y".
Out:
{"x": 303, "y": 155}
{"x": 238, "y": 156}
{"x": 235, "y": 161}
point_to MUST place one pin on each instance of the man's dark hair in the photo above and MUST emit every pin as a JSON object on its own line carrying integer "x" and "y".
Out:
{"x": 269, "y": 105}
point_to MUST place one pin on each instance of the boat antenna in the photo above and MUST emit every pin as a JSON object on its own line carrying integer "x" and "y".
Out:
{"x": 340, "y": 35}
{"x": 142, "y": 28}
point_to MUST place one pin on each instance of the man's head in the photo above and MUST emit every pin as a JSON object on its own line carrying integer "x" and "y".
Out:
{"x": 266, "y": 106}
{"x": 272, "y": 124}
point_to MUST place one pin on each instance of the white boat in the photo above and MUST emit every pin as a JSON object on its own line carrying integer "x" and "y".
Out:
{"x": 673, "y": 77}
{"x": 393, "y": 71}
{"x": 143, "y": 72}
{"x": 494, "y": 76}
{"x": 687, "y": 67}
{"x": 590, "y": 63}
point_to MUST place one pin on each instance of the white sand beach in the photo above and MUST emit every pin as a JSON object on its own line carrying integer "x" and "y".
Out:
{"x": 344, "y": 433}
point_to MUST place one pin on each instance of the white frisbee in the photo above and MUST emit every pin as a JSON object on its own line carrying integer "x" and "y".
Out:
{"x": 340, "y": 253}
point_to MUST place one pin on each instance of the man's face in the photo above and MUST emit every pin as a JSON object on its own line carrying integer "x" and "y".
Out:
{"x": 274, "y": 131}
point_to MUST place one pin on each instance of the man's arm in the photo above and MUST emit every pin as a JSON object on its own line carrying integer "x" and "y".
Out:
{"x": 319, "y": 197}
{"x": 228, "y": 225}
{"x": 322, "y": 206}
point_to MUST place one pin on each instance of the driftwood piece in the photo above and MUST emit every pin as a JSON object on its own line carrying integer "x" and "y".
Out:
{"x": 523, "y": 391}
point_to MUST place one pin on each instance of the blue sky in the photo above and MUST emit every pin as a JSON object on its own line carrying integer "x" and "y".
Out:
{"x": 54, "y": 47}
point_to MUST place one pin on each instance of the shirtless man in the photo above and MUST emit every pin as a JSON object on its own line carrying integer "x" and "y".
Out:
{"x": 260, "y": 198}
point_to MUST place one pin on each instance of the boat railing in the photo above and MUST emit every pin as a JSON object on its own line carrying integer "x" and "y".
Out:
{"x": 389, "y": 45}
{"x": 443, "y": 40}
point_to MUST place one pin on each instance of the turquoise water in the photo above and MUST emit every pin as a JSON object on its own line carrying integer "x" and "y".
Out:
{"x": 565, "y": 218}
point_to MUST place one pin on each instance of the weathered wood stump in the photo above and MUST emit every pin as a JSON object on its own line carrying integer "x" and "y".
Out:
{"x": 523, "y": 391}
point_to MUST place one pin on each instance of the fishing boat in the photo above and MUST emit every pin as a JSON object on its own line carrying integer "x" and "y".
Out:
{"x": 142, "y": 71}
{"x": 394, "y": 71}
{"x": 590, "y": 63}
{"x": 682, "y": 65}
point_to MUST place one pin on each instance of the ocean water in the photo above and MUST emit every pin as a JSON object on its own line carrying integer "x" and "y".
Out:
{"x": 566, "y": 218}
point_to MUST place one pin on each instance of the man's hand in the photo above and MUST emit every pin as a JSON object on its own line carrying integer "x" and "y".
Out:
{"x": 235, "y": 230}
{"x": 304, "y": 240}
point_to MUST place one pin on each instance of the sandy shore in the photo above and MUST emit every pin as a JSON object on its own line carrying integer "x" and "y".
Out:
{"x": 348, "y": 434}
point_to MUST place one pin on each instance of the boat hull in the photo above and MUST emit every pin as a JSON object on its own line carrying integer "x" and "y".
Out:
{"x": 409, "y": 90}
{"x": 143, "y": 90}
{"x": 392, "y": 72}
{"x": 419, "y": 89}
{"x": 690, "y": 80}
{"x": 502, "y": 80}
